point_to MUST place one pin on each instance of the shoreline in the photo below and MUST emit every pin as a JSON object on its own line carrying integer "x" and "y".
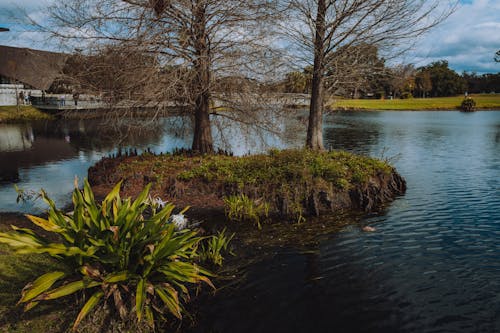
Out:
{"x": 353, "y": 109}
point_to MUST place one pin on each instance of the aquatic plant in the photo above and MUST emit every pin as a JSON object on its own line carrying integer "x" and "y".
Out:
{"x": 120, "y": 252}
{"x": 213, "y": 248}
{"x": 242, "y": 208}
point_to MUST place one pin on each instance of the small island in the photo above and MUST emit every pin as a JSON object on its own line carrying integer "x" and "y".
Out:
{"x": 291, "y": 184}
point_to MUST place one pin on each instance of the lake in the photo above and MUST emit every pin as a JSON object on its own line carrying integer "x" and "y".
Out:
{"x": 432, "y": 265}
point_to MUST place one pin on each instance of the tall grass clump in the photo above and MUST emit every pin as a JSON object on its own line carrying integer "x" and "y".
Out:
{"x": 241, "y": 208}
{"x": 214, "y": 248}
{"x": 119, "y": 253}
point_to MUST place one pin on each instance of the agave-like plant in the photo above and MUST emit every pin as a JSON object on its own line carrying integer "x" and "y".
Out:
{"x": 122, "y": 252}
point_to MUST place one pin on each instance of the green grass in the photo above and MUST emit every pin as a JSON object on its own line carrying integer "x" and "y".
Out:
{"x": 16, "y": 271}
{"x": 22, "y": 113}
{"x": 484, "y": 101}
{"x": 286, "y": 180}
{"x": 283, "y": 167}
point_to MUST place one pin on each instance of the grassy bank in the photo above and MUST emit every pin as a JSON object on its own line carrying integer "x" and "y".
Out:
{"x": 15, "y": 271}
{"x": 485, "y": 101}
{"x": 22, "y": 113}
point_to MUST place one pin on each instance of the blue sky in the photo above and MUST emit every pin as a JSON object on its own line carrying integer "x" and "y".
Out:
{"x": 468, "y": 39}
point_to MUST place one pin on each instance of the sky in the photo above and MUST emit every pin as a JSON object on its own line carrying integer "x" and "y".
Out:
{"x": 468, "y": 39}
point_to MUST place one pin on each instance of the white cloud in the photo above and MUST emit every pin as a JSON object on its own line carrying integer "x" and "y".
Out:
{"x": 468, "y": 39}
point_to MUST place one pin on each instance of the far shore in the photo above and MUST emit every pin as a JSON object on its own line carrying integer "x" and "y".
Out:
{"x": 484, "y": 102}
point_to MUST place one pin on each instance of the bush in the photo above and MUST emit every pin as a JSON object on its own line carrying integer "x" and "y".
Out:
{"x": 468, "y": 104}
{"x": 120, "y": 252}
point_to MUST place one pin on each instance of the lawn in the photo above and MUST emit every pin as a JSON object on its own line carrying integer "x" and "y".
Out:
{"x": 15, "y": 271}
{"x": 25, "y": 112}
{"x": 484, "y": 101}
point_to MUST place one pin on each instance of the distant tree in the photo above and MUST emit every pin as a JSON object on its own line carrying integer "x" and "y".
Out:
{"x": 484, "y": 83}
{"x": 354, "y": 71}
{"x": 423, "y": 83}
{"x": 402, "y": 80}
{"x": 445, "y": 81}
{"x": 296, "y": 82}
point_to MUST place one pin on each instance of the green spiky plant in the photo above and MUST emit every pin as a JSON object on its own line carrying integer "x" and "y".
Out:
{"x": 242, "y": 208}
{"x": 120, "y": 252}
{"x": 214, "y": 246}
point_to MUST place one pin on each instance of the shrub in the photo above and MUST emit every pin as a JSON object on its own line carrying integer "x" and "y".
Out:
{"x": 468, "y": 104}
{"x": 120, "y": 252}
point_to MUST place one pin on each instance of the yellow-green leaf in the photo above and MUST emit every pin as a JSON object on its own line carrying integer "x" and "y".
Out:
{"x": 40, "y": 285}
{"x": 91, "y": 303}
{"x": 150, "y": 319}
{"x": 171, "y": 300}
{"x": 139, "y": 298}
{"x": 116, "y": 277}
{"x": 43, "y": 223}
{"x": 67, "y": 289}
{"x": 114, "y": 192}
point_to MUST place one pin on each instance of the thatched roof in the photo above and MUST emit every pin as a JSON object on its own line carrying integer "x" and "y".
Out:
{"x": 33, "y": 67}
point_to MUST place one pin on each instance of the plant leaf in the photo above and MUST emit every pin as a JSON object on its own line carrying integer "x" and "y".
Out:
{"x": 40, "y": 285}
{"x": 116, "y": 277}
{"x": 171, "y": 300}
{"x": 44, "y": 224}
{"x": 139, "y": 298}
{"x": 67, "y": 289}
{"x": 91, "y": 303}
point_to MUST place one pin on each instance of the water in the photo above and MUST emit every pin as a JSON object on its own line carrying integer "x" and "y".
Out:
{"x": 431, "y": 266}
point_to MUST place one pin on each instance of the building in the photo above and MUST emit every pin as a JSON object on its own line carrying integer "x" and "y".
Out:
{"x": 27, "y": 70}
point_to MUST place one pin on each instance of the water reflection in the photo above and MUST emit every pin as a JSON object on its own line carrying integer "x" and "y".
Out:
{"x": 50, "y": 154}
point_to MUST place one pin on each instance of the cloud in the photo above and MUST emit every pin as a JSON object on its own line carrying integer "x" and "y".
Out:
{"x": 468, "y": 39}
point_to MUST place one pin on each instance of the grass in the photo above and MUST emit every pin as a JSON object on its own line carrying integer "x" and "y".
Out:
{"x": 483, "y": 101}
{"x": 24, "y": 113}
{"x": 282, "y": 167}
{"x": 15, "y": 272}
{"x": 285, "y": 180}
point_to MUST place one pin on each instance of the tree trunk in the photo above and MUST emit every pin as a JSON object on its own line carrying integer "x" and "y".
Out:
{"x": 202, "y": 140}
{"x": 315, "y": 127}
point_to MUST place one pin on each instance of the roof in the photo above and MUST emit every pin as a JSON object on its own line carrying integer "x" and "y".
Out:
{"x": 33, "y": 67}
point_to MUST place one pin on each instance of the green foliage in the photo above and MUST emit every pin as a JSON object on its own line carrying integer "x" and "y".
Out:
{"x": 406, "y": 95}
{"x": 15, "y": 113}
{"x": 242, "y": 208}
{"x": 121, "y": 252}
{"x": 212, "y": 249}
{"x": 445, "y": 81}
{"x": 468, "y": 104}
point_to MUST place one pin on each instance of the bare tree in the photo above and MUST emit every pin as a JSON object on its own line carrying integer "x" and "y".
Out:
{"x": 327, "y": 26}
{"x": 191, "y": 45}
